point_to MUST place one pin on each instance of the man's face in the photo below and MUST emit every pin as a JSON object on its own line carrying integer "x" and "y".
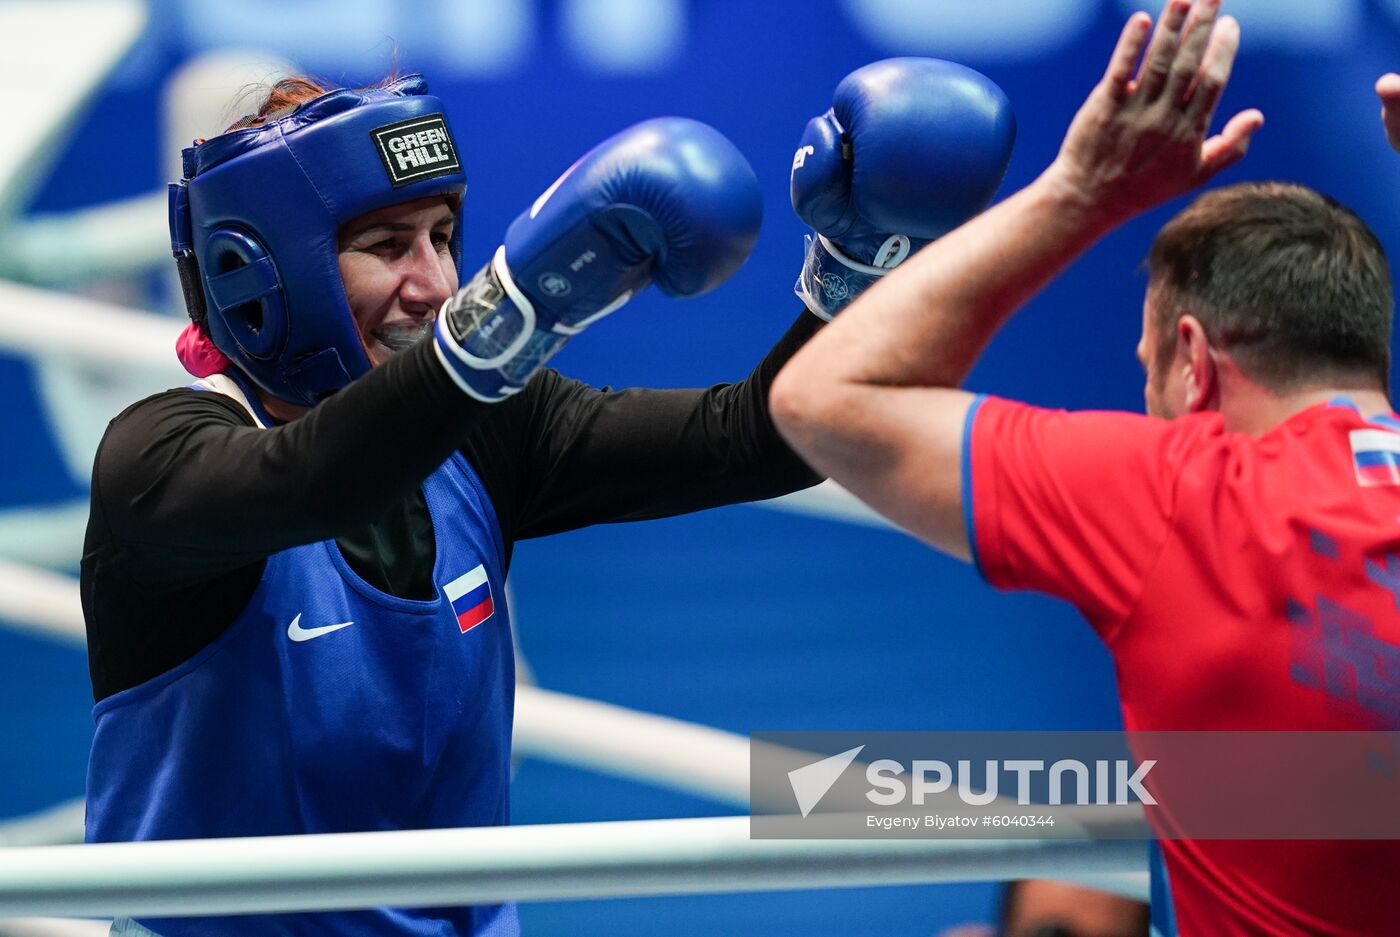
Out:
{"x": 396, "y": 264}
{"x": 1165, "y": 391}
{"x": 1040, "y": 907}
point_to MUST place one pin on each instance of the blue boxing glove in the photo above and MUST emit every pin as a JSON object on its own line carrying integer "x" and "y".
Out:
{"x": 668, "y": 200}
{"x": 911, "y": 149}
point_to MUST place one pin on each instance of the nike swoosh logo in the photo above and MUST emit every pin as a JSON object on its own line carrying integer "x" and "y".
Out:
{"x": 297, "y": 633}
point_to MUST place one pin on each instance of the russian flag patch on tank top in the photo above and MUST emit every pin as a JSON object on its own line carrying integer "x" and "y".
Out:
{"x": 1375, "y": 454}
{"x": 470, "y": 595}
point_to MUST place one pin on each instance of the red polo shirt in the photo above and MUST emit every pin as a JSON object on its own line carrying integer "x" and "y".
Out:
{"x": 1240, "y": 583}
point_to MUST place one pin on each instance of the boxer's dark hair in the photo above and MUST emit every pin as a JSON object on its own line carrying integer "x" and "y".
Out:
{"x": 1290, "y": 282}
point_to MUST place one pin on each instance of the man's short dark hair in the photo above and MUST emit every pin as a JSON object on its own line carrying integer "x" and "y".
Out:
{"x": 1290, "y": 282}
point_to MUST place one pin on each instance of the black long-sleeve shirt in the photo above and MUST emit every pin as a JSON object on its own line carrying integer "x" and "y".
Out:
{"x": 189, "y": 497}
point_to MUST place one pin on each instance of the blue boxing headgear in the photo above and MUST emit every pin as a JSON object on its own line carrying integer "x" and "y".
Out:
{"x": 254, "y": 227}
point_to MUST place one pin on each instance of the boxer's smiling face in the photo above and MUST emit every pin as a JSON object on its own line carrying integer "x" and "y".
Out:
{"x": 396, "y": 264}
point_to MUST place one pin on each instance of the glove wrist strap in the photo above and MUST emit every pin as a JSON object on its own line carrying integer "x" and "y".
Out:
{"x": 491, "y": 339}
{"x": 830, "y": 279}
{"x": 486, "y": 336}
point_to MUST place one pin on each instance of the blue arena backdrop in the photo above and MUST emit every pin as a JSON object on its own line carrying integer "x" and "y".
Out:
{"x": 741, "y": 618}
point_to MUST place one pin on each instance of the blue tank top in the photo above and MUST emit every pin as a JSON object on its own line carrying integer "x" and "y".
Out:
{"x": 329, "y": 707}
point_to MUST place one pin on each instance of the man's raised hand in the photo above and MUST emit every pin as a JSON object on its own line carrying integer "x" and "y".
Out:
{"x": 1141, "y": 137}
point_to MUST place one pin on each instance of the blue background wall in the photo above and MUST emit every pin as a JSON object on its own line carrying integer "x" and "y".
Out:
{"x": 741, "y": 618}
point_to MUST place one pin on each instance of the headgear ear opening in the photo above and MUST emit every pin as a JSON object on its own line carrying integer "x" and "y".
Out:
{"x": 247, "y": 297}
{"x": 255, "y": 221}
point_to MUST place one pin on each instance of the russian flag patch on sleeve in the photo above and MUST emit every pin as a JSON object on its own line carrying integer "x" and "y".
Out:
{"x": 1375, "y": 453}
{"x": 470, "y": 595}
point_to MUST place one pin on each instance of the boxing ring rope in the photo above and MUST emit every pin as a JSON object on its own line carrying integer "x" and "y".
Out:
{"x": 494, "y": 864}
{"x": 52, "y": 927}
{"x": 61, "y": 249}
{"x": 59, "y": 825}
{"x": 96, "y": 333}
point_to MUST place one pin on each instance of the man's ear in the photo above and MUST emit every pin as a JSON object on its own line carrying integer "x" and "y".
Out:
{"x": 1200, "y": 373}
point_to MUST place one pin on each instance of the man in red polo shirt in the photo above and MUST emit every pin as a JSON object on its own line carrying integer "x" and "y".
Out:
{"x": 1239, "y": 548}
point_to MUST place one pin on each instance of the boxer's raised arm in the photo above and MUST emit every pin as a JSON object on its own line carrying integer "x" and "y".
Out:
{"x": 564, "y": 455}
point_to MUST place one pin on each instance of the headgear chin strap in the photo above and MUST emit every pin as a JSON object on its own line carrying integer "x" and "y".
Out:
{"x": 254, "y": 226}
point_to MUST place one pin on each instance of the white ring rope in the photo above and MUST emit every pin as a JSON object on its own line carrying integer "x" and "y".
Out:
{"x": 41, "y": 602}
{"x": 49, "y": 535}
{"x": 60, "y": 825}
{"x": 43, "y": 323}
{"x": 52, "y": 927}
{"x": 613, "y": 740}
{"x": 114, "y": 239}
{"x": 522, "y": 863}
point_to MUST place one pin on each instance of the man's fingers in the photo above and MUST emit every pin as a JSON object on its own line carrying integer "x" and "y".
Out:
{"x": 1158, "y": 61}
{"x": 1122, "y": 65}
{"x": 1190, "y": 56}
{"x": 1388, "y": 90}
{"x": 1215, "y": 71}
{"x": 1229, "y": 146}
{"x": 1223, "y": 158}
